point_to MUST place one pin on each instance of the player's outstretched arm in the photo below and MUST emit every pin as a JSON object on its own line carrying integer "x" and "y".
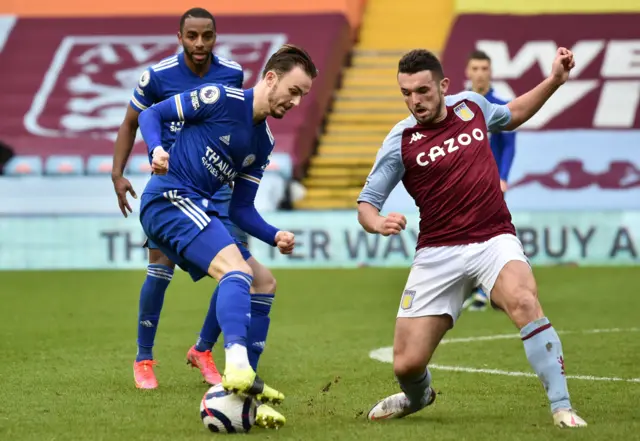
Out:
{"x": 525, "y": 106}
{"x": 242, "y": 210}
{"x": 387, "y": 171}
{"x": 121, "y": 152}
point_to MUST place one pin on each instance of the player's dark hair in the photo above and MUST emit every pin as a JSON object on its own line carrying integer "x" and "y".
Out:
{"x": 479, "y": 55}
{"x": 197, "y": 13}
{"x": 418, "y": 60}
{"x": 288, "y": 57}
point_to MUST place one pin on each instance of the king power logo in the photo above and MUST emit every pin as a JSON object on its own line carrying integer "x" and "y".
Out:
{"x": 607, "y": 71}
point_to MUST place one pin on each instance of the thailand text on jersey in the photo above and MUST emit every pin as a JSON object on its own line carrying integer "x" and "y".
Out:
{"x": 172, "y": 76}
{"x": 217, "y": 144}
{"x": 449, "y": 170}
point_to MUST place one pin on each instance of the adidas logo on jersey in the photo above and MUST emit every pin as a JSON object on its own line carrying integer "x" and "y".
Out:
{"x": 416, "y": 137}
{"x": 226, "y": 139}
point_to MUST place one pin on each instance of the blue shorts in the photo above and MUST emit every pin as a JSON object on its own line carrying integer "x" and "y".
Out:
{"x": 178, "y": 224}
{"x": 241, "y": 238}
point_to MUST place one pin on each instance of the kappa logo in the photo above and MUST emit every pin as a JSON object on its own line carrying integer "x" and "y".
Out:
{"x": 407, "y": 299}
{"x": 463, "y": 112}
{"x": 416, "y": 137}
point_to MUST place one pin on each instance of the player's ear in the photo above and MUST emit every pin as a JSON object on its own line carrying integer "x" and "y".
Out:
{"x": 271, "y": 78}
{"x": 444, "y": 84}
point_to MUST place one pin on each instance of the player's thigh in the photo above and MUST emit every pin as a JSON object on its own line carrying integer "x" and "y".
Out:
{"x": 214, "y": 252}
{"x": 430, "y": 305}
{"x": 437, "y": 284}
{"x": 157, "y": 257}
{"x": 505, "y": 273}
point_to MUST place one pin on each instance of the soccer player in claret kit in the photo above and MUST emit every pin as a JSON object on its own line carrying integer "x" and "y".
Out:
{"x": 442, "y": 155}
{"x": 225, "y": 138}
{"x": 195, "y": 66}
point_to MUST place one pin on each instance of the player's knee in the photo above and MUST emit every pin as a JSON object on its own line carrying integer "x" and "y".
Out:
{"x": 524, "y": 306}
{"x": 218, "y": 272}
{"x": 407, "y": 362}
{"x": 264, "y": 282}
{"x": 407, "y": 365}
{"x": 157, "y": 257}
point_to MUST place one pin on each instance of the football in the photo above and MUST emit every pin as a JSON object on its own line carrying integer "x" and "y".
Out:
{"x": 224, "y": 412}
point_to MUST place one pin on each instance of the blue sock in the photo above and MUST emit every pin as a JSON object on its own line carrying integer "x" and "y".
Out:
{"x": 233, "y": 307}
{"x": 259, "y": 327}
{"x": 211, "y": 328}
{"x": 544, "y": 352}
{"x": 151, "y": 301}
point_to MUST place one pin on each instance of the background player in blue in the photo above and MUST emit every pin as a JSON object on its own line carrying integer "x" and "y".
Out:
{"x": 503, "y": 144}
{"x": 224, "y": 139}
{"x": 188, "y": 70}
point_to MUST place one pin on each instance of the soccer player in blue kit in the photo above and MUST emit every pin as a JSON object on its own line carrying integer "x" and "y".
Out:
{"x": 224, "y": 139}
{"x": 503, "y": 144}
{"x": 195, "y": 66}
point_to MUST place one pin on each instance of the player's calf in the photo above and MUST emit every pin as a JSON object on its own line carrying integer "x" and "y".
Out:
{"x": 235, "y": 278}
{"x": 262, "y": 297}
{"x": 515, "y": 292}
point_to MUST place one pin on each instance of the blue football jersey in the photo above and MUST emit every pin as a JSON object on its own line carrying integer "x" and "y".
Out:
{"x": 217, "y": 143}
{"x": 172, "y": 76}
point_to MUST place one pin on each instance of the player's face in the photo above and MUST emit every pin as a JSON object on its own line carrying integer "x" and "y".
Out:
{"x": 479, "y": 72}
{"x": 197, "y": 38}
{"x": 424, "y": 95}
{"x": 287, "y": 91}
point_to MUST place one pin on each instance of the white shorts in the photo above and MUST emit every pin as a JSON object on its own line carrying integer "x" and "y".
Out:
{"x": 441, "y": 278}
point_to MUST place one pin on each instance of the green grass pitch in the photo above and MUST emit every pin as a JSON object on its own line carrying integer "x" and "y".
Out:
{"x": 67, "y": 343}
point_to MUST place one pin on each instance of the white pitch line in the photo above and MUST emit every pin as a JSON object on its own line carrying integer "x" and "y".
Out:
{"x": 385, "y": 355}
{"x": 510, "y": 336}
{"x": 525, "y": 374}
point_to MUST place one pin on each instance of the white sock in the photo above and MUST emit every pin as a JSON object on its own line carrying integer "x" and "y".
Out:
{"x": 237, "y": 356}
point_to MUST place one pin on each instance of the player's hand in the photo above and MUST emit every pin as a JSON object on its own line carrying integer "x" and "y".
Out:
{"x": 160, "y": 161}
{"x": 285, "y": 241}
{"x": 393, "y": 223}
{"x": 122, "y": 185}
{"x": 503, "y": 185}
{"x": 562, "y": 65}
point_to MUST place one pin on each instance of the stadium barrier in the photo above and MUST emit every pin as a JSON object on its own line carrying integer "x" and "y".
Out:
{"x": 323, "y": 239}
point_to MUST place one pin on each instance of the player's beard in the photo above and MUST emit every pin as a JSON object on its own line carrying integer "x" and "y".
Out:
{"x": 193, "y": 59}
{"x": 276, "y": 110}
{"x": 433, "y": 114}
